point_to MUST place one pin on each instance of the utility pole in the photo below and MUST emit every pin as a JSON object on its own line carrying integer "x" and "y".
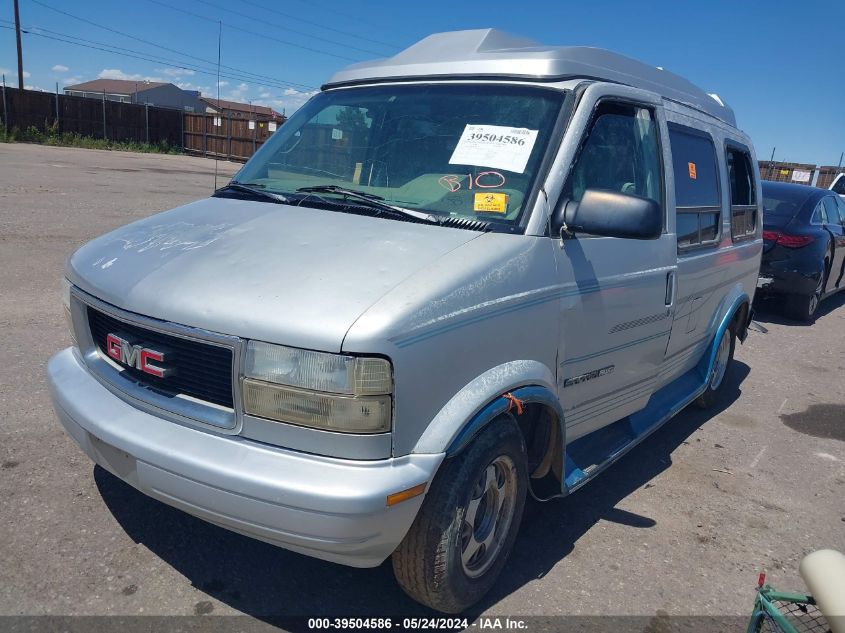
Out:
{"x": 18, "y": 39}
{"x": 5, "y": 113}
{"x": 771, "y": 163}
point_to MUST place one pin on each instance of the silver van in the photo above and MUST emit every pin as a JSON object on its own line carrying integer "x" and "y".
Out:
{"x": 478, "y": 270}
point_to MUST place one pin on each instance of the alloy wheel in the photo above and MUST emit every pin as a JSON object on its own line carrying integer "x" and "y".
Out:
{"x": 488, "y": 516}
{"x": 817, "y": 296}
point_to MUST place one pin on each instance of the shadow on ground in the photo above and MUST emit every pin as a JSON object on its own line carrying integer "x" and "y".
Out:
{"x": 770, "y": 310}
{"x": 268, "y": 582}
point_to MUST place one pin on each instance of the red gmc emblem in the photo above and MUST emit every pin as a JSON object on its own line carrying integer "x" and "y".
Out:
{"x": 137, "y": 355}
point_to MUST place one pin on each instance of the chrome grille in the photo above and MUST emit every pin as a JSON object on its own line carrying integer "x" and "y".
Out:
{"x": 203, "y": 370}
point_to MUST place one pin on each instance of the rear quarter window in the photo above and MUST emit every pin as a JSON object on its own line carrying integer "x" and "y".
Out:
{"x": 697, "y": 198}
{"x": 743, "y": 191}
{"x": 694, "y": 163}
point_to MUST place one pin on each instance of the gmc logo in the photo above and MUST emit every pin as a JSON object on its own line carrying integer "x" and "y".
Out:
{"x": 138, "y": 356}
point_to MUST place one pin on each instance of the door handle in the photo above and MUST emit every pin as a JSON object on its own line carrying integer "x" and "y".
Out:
{"x": 670, "y": 288}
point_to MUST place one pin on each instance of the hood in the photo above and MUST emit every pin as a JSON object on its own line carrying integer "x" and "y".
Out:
{"x": 292, "y": 275}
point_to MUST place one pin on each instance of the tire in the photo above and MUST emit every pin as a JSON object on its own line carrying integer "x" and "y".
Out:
{"x": 804, "y": 307}
{"x": 429, "y": 564}
{"x": 724, "y": 359}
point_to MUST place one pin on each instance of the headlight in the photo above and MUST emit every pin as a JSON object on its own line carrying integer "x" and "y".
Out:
{"x": 333, "y": 392}
{"x": 66, "y": 285}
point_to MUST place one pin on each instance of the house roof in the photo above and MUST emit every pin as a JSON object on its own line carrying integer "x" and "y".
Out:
{"x": 116, "y": 86}
{"x": 222, "y": 104}
{"x": 490, "y": 53}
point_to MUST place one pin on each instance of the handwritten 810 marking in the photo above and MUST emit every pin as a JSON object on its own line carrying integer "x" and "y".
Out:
{"x": 484, "y": 180}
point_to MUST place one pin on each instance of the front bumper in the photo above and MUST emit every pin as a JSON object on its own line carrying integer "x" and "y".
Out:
{"x": 324, "y": 507}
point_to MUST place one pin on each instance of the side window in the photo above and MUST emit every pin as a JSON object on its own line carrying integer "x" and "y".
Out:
{"x": 841, "y": 204}
{"x": 832, "y": 210}
{"x": 743, "y": 190}
{"x": 839, "y": 185}
{"x": 820, "y": 215}
{"x": 620, "y": 153}
{"x": 696, "y": 186}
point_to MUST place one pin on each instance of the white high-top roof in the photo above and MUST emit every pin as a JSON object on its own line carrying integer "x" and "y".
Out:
{"x": 488, "y": 53}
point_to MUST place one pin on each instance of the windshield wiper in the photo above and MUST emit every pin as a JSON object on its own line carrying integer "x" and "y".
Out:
{"x": 253, "y": 191}
{"x": 371, "y": 200}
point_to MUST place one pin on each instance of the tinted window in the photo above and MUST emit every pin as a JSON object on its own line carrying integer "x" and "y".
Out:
{"x": 832, "y": 209}
{"x": 743, "y": 194}
{"x": 783, "y": 201}
{"x": 820, "y": 215}
{"x": 687, "y": 229}
{"x": 774, "y": 207}
{"x": 741, "y": 177}
{"x": 620, "y": 153}
{"x": 694, "y": 165}
{"x": 709, "y": 226}
{"x": 839, "y": 186}
{"x": 841, "y": 204}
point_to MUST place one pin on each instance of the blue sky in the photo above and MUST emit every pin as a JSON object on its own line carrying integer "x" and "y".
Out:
{"x": 777, "y": 63}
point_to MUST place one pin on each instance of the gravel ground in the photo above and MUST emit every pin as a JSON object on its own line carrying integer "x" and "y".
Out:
{"x": 680, "y": 526}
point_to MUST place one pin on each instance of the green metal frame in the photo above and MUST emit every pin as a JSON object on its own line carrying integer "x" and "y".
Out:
{"x": 763, "y": 608}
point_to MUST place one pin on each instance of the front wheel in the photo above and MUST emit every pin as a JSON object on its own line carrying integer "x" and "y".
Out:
{"x": 461, "y": 538}
{"x": 716, "y": 381}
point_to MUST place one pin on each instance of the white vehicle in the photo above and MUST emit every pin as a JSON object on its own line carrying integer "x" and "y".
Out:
{"x": 479, "y": 268}
{"x": 838, "y": 185}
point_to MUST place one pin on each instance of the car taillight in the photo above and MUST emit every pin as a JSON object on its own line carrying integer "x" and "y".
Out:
{"x": 794, "y": 241}
{"x": 789, "y": 241}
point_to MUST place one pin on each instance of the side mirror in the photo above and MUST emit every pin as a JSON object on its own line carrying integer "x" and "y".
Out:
{"x": 612, "y": 214}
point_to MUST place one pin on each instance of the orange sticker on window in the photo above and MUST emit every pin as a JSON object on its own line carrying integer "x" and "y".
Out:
{"x": 691, "y": 167}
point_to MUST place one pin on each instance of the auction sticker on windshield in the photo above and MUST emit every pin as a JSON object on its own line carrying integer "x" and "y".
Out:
{"x": 496, "y": 146}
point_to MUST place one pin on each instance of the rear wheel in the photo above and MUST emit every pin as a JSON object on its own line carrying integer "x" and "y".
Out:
{"x": 724, "y": 357}
{"x": 467, "y": 525}
{"x": 804, "y": 307}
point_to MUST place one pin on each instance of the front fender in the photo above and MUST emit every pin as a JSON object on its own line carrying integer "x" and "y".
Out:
{"x": 463, "y": 409}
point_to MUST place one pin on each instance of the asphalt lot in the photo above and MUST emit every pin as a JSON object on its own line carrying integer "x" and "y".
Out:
{"x": 681, "y": 525}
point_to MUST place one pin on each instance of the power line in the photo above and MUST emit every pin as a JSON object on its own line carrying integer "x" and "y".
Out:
{"x": 144, "y": 41}
{"x": 321, "y": 26}
{"x": 275, "y": 25}
{"x": 240, "y": 76}
{"x": 260, "y": 79}
{"x": 326, "y": 7}
{"x": 255, "y": 33}
{"x": 108, "y": 49}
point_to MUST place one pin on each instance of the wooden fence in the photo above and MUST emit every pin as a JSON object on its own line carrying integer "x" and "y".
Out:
{"x": 98, "y": 118}
{"x": 226, "y": 137}
{"x": 205, "y": 134}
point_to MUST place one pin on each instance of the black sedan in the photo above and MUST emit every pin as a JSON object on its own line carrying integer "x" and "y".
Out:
{"x": 804, "y": 246}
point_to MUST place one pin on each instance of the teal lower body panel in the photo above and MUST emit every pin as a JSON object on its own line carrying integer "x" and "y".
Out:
{"x": 587, "y": 456}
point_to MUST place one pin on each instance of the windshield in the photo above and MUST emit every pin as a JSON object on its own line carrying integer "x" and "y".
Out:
{"x": 461, "y": 150}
